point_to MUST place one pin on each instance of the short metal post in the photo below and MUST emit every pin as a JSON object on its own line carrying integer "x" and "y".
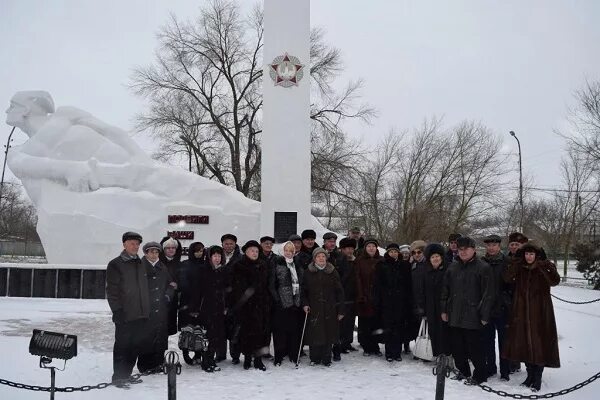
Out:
{"x": 441, "y": 370}
{"x": 52, "y": 382}
{"x": 173, "y": 368}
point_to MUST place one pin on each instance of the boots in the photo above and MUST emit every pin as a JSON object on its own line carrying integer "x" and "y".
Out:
{"x": 536, "y": 383}
{"x": 336, "y": 352}
{"x": 529, "y": 380}
{"x": 247, "y": 362}
{"x": 258, "y": 364}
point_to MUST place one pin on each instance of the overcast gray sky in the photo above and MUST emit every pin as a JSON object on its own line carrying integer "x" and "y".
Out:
{"x": 512, "y": 65}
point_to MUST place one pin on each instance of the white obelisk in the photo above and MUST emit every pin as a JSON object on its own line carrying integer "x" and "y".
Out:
{"x": 285, "y": 170}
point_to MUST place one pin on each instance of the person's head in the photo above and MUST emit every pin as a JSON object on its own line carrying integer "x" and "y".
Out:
{"x": 347, "y": 247}
{"x": 329, "y": 241}
{"x": 251, "y": 249}
{"x": 530, "y": 257}
{"x": 215, "y": 255}
{"x": 416, "y": 250}
{"x": 289, "y": 249}
{"x": 297, "y": 241}
{"x": 170, "y": 247}
{"x": 320, "y": 256}
{"x": 196, "y": 251}
{"x": 434, "y": 252}
{"x": 266, "y": 244}
{"x": 26, "y": 106}
{"x": 492, "y": 244}
{"x": 452, "y": 238}
{"x": 131, "y": 242}
{"x": 371, "y": 246}
{"x": 393, "y": 251}
{"x": 405, "y": 251}
{"x": 228, "y": 241}
{"x": 152, "y": 251}
{"x": 308, "y": 238}
{"x": 354, "y": 233}
{"x": 466, "y": 248}
{"x": 515, "y": 241}
{"x": 530, "y": 253}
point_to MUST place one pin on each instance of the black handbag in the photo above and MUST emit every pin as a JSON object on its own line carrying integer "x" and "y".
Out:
{"x": 193, "y": 338}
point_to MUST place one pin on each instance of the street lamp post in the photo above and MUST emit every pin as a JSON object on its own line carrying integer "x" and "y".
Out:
{"x": 7, "y": 146}
{"x": 513, "y": 134}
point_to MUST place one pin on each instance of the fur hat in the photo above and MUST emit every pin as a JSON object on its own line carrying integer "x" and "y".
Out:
{"x": 228, "y": 236}
{"x": 465, "y": 241}
{"x": 309, "y": 234}
{"x": 151, "y": 245}
{"x": 131, "y": 236}
{"x": 250, "y": 243}
{"x": 371, "y": 241}
{"x": 517, "y": 237}
{"x": 317, "y": 251}
{"x": 434, "y": 248}
{"x": 392, "y": 246}
{"x": 329, "y": 235}
{"x": 347, "y": 242}
{"x": 418, "y": 244}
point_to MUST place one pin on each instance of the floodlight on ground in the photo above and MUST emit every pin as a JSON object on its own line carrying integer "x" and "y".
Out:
{"x": 49, "y": 345}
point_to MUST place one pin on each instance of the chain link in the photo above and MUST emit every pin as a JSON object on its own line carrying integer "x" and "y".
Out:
{"x": 502, "y": 393}
{"x": 575, "y": 302}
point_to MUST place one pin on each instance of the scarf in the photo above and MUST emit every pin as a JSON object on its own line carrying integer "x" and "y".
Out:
{"x": 295, "y": 283}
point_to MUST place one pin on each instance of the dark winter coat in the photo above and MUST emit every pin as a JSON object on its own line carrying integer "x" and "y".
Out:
{"x": 333, "y": 256}
{"x": 252, "y": 303}
{"x": 502, "y": 292}
{"x": 173, "y": 266}
{"x": 418, "y": 272}
{"x": 189, "y": 288}
{"x": 304, "y": 256}
{"x": 365, "y": 267}
{"x": 235, "y": 257}
{"x": 127, "y": 289}
{"x": 450, "y": 257}
{"x": 160, "y": 292}
{"x": 532, "y": 335}
{"x": 393, "y": 292}
{"x": 467, "y": 295}
{"x": 438, "y": 329}
{"x": 280, "y": 285}
{"x": 215, "y": 291}
{"x": 345, "y": 269}
{"x": 322, "y": 291}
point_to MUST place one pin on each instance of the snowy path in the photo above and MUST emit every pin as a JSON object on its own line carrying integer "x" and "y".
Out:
{"x": 356, "y": 377}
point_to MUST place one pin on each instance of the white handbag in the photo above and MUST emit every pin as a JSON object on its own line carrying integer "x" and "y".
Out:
{"x": 423, "y": 348}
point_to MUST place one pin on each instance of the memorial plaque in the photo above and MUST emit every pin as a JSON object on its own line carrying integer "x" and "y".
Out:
{"x": 286, "y": 224}
{"x": 188, "y": 219}
{"x": 181, "y": 235}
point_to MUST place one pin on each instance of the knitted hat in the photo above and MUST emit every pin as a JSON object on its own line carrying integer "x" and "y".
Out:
{"x": 318, "y": 250}
{"x": 309, "y": 234}
{"x": 392, "y": 246}
{"x": 170, "y": 241}
{"x": 250, "y": 243}
{"x": 405, "y": 248}
{"x": 151, "y": 245}
{"x": 371, "y": 241}
{"x": 132, "y": 236}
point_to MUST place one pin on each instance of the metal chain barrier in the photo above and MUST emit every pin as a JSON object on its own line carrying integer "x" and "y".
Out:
{"x": 575, "y": 302}
{"x": 70, "y": 389}
{"x": 502, "y": 393}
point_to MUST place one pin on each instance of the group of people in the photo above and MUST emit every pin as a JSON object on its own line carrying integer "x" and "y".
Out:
{"x": 311, "y": 295}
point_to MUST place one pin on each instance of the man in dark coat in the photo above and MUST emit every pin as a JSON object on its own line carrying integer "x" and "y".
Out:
{"x": 252, "y": 307}
{"x": 356, "y": 234}
{"x": 322, "y": 299}
{"x": 330, "y": 246}
{"x": 466, "y": 305}
{"x": 161, "y": 290}
{"x": 127, "y": 295}
{"x": 171, "y": 258}
{"x": 266, "y": 250}
{"x": 214, "y": 285}
{"x": 230, "y": 248}
{"x": 515, "y": 241}
{"x": 532, "y": 335}
{"x": 345, "y": 268}
{"x": 393, "y": 294}
{"x": 419, "y": 269}
{"x": 233, "y": 254}
{"x": 368, "y": 318}
{"x": 502, "y": 300}
{"x": 304, "y": 257}
{"x": 434, "y": 282}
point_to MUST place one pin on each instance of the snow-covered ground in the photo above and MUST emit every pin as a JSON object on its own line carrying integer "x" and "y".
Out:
{"x": 356, "y": 377}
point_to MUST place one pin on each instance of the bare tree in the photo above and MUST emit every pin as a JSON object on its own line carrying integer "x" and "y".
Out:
{"x": 204, "y": 93}
{"x": 17, "y": 214}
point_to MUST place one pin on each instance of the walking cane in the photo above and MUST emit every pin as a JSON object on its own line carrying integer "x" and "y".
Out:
{"x": 301, "y": 339}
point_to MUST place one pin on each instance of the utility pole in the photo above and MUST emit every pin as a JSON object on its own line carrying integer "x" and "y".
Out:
{"x": 513, "y": 134}
{"x": 6, "y": 146}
